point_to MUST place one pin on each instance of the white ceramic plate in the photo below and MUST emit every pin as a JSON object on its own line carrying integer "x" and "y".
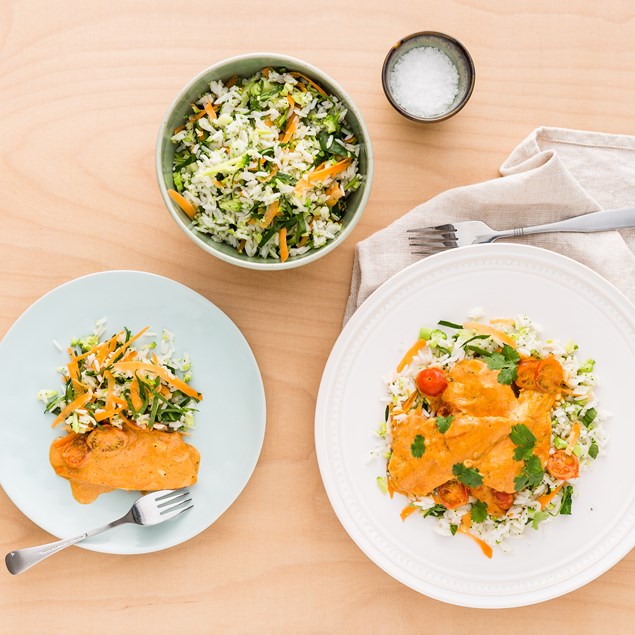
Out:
{"x": 230, "y": 424}
{"x": 571, "y": 302}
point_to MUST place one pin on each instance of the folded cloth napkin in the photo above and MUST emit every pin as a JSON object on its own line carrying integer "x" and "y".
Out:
{"x": 553, "y": 174}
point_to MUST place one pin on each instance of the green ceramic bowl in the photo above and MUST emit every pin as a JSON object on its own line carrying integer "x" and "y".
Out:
{"x": 244, "y": 66}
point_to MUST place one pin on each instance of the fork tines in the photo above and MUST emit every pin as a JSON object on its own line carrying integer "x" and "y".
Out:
{"x": 432, "y": 239}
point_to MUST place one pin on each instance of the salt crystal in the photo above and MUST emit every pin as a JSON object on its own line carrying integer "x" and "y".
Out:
{"x": 424, "y": 82}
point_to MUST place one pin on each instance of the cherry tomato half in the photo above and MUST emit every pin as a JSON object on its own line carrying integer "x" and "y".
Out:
{"x": 549, "y": 375}
{"x": 563, "y": 466}
{"x": 452, "y": 494}
{"x": 527, "y": 373}
{"x": 432, "y": 382}
{"x": 503, "y": 499}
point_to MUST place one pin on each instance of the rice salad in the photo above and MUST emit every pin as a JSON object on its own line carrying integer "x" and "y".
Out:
{"x": 576, "y": 423}
{"x": 266, "y": 164}
{"x": 124, "y": 379}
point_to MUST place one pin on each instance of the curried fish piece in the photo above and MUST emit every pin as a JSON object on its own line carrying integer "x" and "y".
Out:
{"x": 474, "y": 389}
{"x": 108, "y": 458}
{"x": 467, "y": 439}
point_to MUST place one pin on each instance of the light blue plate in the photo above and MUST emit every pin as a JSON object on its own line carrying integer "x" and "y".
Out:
{"x": 230, "y": 424}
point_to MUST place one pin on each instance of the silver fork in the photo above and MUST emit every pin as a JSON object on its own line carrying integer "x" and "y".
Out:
{"x": 431, "y": 240}
{"x": 151, "y": 509}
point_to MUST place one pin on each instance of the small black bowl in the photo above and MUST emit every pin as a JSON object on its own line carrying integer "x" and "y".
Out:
{"x": 458, "y": 55}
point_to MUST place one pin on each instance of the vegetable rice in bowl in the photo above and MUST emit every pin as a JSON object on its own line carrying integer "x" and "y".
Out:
{"x": 264, "y": 162}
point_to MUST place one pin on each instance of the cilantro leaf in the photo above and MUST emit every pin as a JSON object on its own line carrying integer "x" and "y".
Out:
{"x": 531, "y": 476}
{"x": 496, "y": 361}
{"x": 418, "y": 447}
{"x": 453, "y": 529}
{"x": 479, "y": 512}
{"x": 508, "y": 375}
{"x": 524, "y": 440}
{"x": 436, "y": 511}
{"x": 565, "y": 505}
{"x": 594, "y": 450}
{"x": 443, "y": 423}
{"x": 467, "y": 475}
{"x": 510, "y": 354}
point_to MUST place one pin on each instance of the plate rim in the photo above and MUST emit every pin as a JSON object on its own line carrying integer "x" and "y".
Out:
{"x": 179, "y": 539}
{"x": 382, "y": 560}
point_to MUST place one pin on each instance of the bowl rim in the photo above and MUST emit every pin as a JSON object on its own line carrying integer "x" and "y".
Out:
{"x": 265, "y": 265}
{"x": 386, "y": 84}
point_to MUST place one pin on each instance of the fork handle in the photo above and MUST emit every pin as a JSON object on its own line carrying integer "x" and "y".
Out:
{"x": 594, "y": 222}
{"x": 23, "y": 559}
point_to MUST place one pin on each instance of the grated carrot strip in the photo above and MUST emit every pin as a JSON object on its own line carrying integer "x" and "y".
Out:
{"x": 80, "y": 401}
{"x": 284, "y": 250}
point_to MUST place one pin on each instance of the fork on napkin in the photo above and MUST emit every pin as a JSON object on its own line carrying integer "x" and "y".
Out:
{"x": 554, "y": 174}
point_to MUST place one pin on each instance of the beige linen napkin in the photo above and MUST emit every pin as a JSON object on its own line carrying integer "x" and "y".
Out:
{"x": 553, "y": 174}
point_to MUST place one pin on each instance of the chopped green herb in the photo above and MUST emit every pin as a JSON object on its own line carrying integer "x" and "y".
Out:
{"x": 418, "y": 446}
{"x": 467, "y": 475}
{"x": 479, "y": 512}
{"x": 594, "y": 450}
{"x": 565, "y": 505}
{"x": 453, "y": 529}
{"x": 531, "y": 476}
{"x": 524, "y": 440}
{"x": 435, "y": 511}
{"x": 451, "y": 325}
{"x": 386, "y": 413}
{"x": 589, "y": 416}
{"x": 475, "y": 337}
{"x": 443, "y": 423}
{"x": 425, "y": 334}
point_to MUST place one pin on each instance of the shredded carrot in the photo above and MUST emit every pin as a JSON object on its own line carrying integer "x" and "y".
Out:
{"x": 241, "y": 246}
{"x": 179, "y": 128}
{"x": 291, "y": 102}
{"x": 334, "y": 193}
{"x": 284, "y": 250}
{"x": 484, "y": 329}
{"x": 410, "y": 354}
{"x": 406, "y": 511}
{"x": 331, "y": 170}
{"x": 545, "y": 499}
{"x": 292, "y": 125}
{"x": 161, "y": 372}
{"x": 231, "y": 81}
{"x": 485, "y": 548}
{"x": 209, "y": 109}
{"x": 310, "y": 81}
{"x": 304, "y": 240}
{"x": 105, "y": 414}
{"x": 302, "y": 186}
{"x": 265, "y": 72}
{"x": 274, "y": 171}
{"x": 131, "y": 340}
{"x": 273, "y": 209}
{"x": 389, "y": 485}
{"x": 80, "y": 401}
{"x": 466, "y": 521}
{"x": 268, "y": 122}
{"x": 351, "y": 139}
{"x": 406, "y": 404}
{"x": 110, "y": 381}
{"x": 574, "y": 436}
{"x": 135, "y": 394}
{"x": 183, "y": 203}
{"x": 506, "y": 321}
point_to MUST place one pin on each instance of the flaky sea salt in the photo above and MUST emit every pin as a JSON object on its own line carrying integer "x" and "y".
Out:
{"x": 424, "y": 82}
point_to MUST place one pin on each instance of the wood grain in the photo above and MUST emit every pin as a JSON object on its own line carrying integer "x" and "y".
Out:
{"x": 83, "y": 87}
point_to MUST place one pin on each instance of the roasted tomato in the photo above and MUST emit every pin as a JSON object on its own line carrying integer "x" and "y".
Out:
{"x": 452, "y": 494}
{"x": 504, "y": 500}
{"x": 432, "y": 382}
{"x": 549, "y": 375}
{"x": 527, "y": 373}
{"x": 563, "y": 466}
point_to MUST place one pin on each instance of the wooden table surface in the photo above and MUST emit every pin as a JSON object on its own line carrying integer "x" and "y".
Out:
{"x": 83, "y": 87}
